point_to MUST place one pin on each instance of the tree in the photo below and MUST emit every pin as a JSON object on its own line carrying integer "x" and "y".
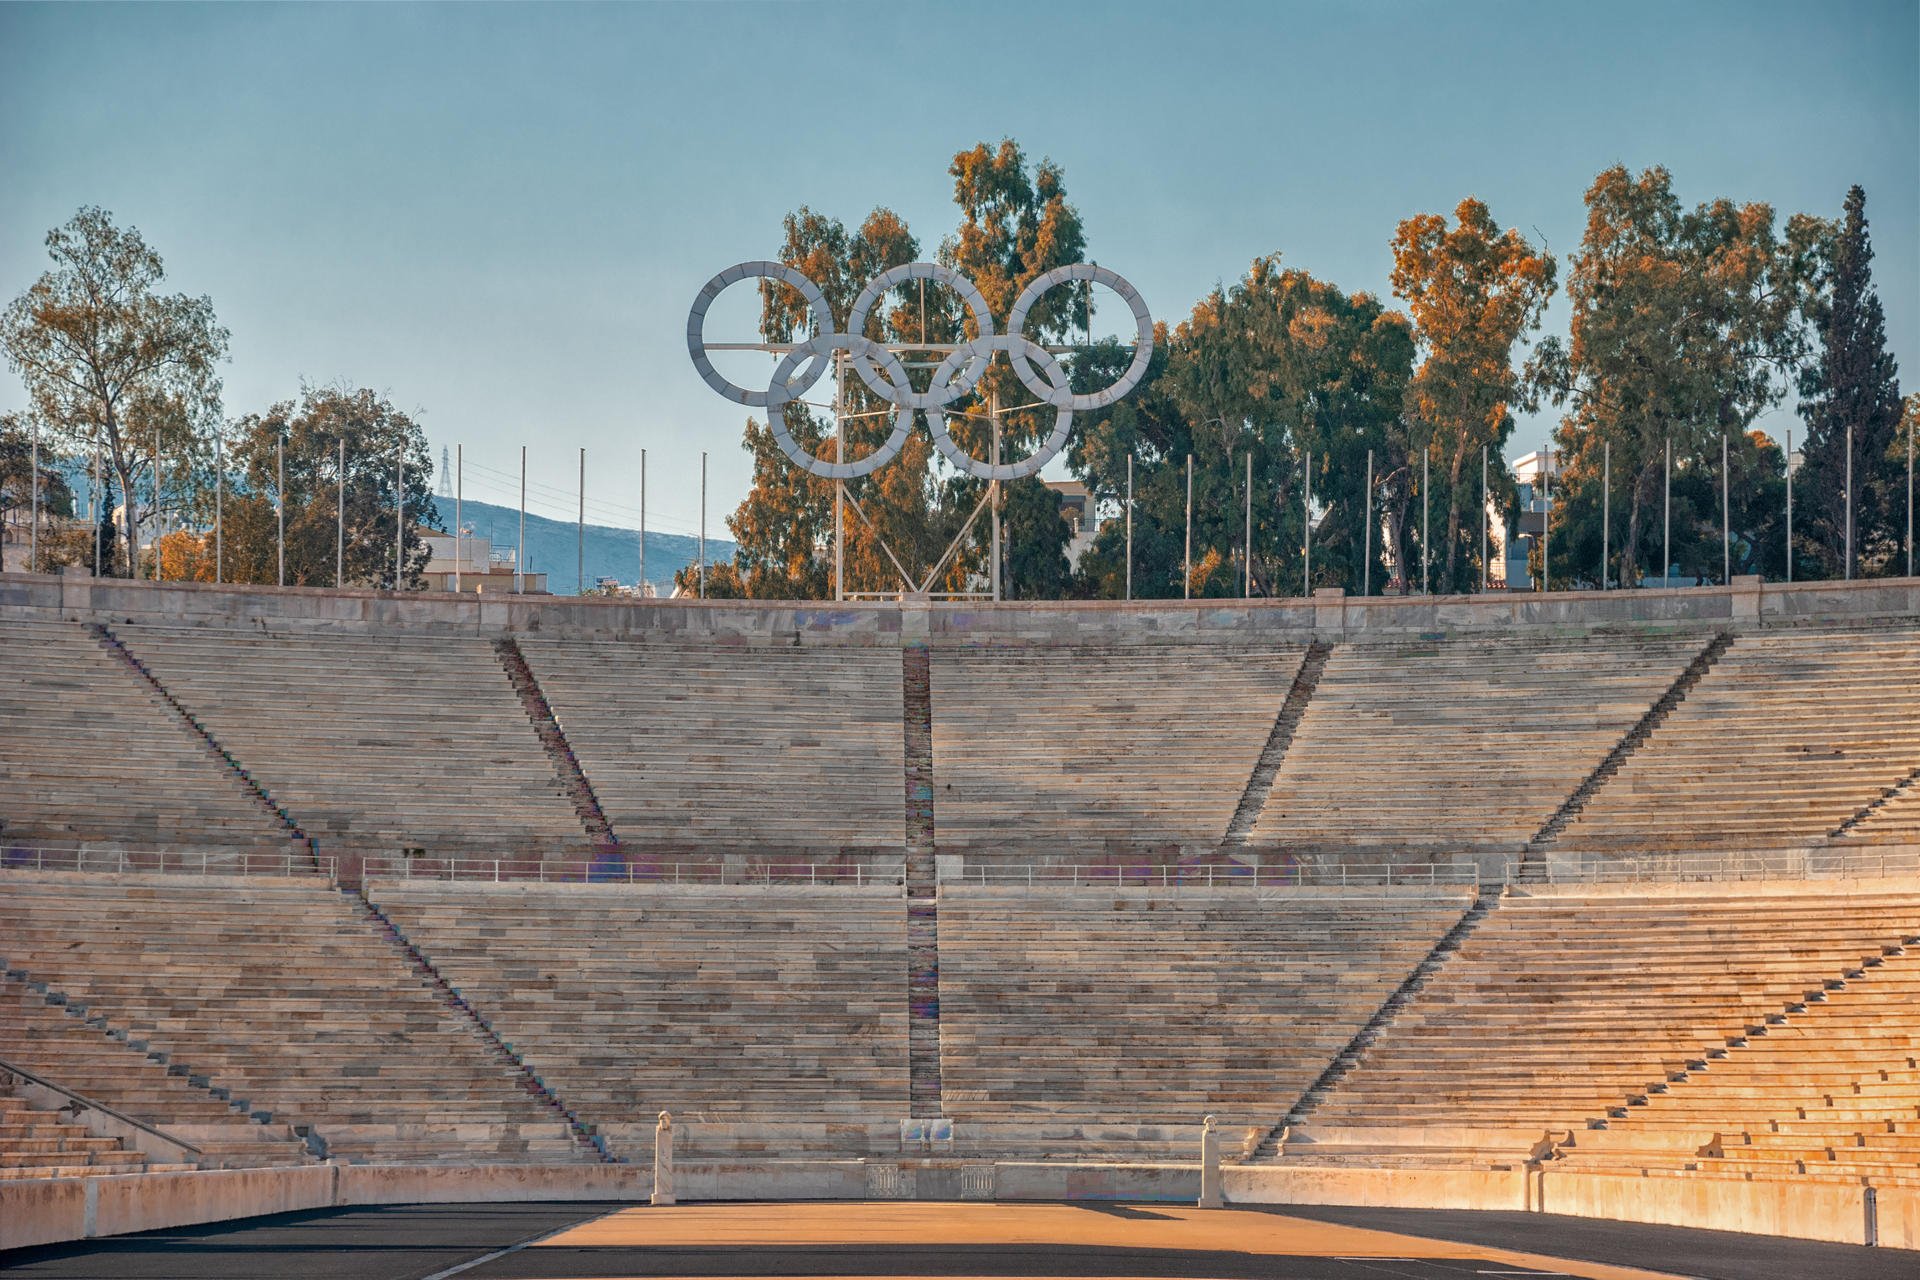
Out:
{"x": 1850, "y": 391}
{"x": 17, "y": 481}
{"x": 1683, "y": 325}
{"x": 1275, "y": 366}
{"x": 1015, "y": 225}
{"x": 111, "y": 364}
{"x": 376, "y": 435}
{"x": 1474, "y": 291}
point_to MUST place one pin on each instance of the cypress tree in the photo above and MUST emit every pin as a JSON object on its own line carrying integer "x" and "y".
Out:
{"x": 1852, "y": 381}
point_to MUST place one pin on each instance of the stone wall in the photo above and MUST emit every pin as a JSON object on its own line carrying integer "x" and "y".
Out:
{"x": 1329, "y": 615}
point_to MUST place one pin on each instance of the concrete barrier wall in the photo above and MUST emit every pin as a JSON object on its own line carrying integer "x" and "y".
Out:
{"x": 1801, "y": 1210}
{"x": 489, "y": 1184}
{"x": 149, "y": 1201}
{"x": 1377, "y": 1188}
{"x": 1899, "y": 1217}
{"x": 1329, "y": 615}
{"x": 40, "y": 1212}
{"x": 48, "y": 1212}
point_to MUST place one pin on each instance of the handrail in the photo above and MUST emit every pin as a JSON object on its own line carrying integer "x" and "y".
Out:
{"x": 1221, "y": 875}
{"x": 22, "y": 856}
{"x": 102, "y": 1107}
{"x": 1811, "y": 863}
{"x": 631, "y": 870}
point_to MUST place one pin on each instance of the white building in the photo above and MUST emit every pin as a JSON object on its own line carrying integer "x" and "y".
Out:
{"x": 476, "y": 564}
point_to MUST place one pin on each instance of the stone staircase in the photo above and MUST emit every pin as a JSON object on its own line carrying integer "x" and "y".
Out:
{"x": 1260, "y": 783}
{"x": 423, "y": 967}
{"x": 48, "y": 1144}
{"x": 923, "y": 898}
{"x": 1269, "y": 1147}
{"x": 1531, "y": 866}
{"x": 223, "y": 757}
{"x": 1905, "y": 787}
{"x": 567, "y": 765}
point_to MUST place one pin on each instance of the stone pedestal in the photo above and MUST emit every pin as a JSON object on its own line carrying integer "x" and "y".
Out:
{"x": 663, "y": 1160}
{"x": 1209, "y": 1166}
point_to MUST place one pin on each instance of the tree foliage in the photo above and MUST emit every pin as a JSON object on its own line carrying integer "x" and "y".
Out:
{"x": 1015, "y": 224}
{"x": 1474, "y": 291}
{"x": 1277, "y": 365}
{"x": 1849, "y": 390}
{"x": 1684, "y": 327}
{"x": 110, "y": 363}
{"x": 386, "y": 455}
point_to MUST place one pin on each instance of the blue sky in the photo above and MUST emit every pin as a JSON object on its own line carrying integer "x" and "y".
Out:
{"x": 499, "y": 214}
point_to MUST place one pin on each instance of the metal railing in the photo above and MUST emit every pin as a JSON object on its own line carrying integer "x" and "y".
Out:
{"x": 1821, "y": 863}
{"x": 631, "y": 870}
{"x": 1218, "y": 875}
{"x": 216, "y": 862}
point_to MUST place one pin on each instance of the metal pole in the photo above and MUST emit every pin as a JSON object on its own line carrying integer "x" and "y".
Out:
{"x": 703, "y": 524}
{"x": 1249, "y": 551}
{"x": 1849, "y": 502}
{"x": 94, "y": 502}
{"x": 219, "y": 510}
{"x": 1726, "y": 521}
{"x": 1790, "y": 504}
{"x": 520, "y": 551}
{"x": 1306, "y": 541}
{"x": 33, "y": 520}
{"x": 1366, "y": 533}
{"x": 1666, "y": 520}
{"x": 993, "y": 416}
{"x": 156, "y": 504}
{"x": 459, "y": 521}
{"x": 641, "y": 586}
{"x": 1129, "y": 526}
{"x": 340, "y": 519}
{"x": 1483, "y": 517}
{"x": 1606, "y": 510}
{"x": 1186, "y": 562}
{"x": 280, "y": 502}
{"x": 1546, "y": 519}
{"x": 840, "y": 486}
{"x": 1910, "y": 425}
{"x": 580, "y": 533}
{"x": 1426, "y": 505}
{"x": 399, "y": 516}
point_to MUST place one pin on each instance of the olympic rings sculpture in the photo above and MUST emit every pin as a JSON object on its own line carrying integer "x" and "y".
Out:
{"x": 952, "y": 380}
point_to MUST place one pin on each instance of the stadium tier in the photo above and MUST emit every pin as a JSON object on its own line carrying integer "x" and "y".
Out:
{"x": 1066, "y": 1017}
{"x": 1442, "y": 747}
{"x": 1562, "y": 1009}
{"x": 1078, "y": 752}
{"x": 372, "y": 743}
{"x": 92, "y": 756}
{"x": 1786, "y": 739}
{"x": 279, "y": 994}
{"x": 775, "y": 751}
{"x": 738, "y": 1006}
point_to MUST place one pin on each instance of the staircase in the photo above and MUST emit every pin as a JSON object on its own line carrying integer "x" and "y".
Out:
{"x": 1267, "y": 767}
{"x": 565, "y": 764}
{"x": 111, "y": 643}
{"x": 1349, "y": 1057}
{"x": 48, "y": 1144}
{"x": 923, "y": 889}
{"x": 583, "y": 1133}
{"x": 1532, "y": 865}
{"x": 1874, "y": 806}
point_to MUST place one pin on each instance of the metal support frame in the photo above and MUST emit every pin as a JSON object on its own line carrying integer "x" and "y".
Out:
{"x": 1606, "y": 510}
{"x": 1546, "y": 519}
{"x": 1790, "y": 506}
{"x": 219, "y": 510}
{"x": 640, "y": 585}
{"x": 520, "y": 550}
{"x": 1248, "y": 592}
{"x": 280, "y": 502}
{"x": 459, "y": 517}
{"x": 1426, "y": 504}
{"x": 1726, "y": 521}
{"x": 1849, "y": 573}
{"x": 340, "y": 518}
{"x": 1129, "y": 525}
{"x": 1186, "y": 561}
{"x": 1666, "y": 521}
{"x": 399, "y": 517}
{"x": 580, "y": 533}
{"x": 1483, "y": 517}
{"x": 1306, "y": 533}
{"x": 703, "y": 525}
{"x": 1366, "y": 533}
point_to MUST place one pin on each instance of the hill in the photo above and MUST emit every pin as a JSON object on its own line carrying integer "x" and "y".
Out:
{"x": 611, "y": 552}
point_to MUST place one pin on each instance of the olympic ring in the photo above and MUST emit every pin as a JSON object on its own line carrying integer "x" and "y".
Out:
{"x": 697, "y": 324}
{"x": 950, "y": 449}
{"x": 780, "y": 392}
{"x": 955, "y": 378}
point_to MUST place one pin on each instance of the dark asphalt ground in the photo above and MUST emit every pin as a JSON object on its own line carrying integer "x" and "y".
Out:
{"x": 1712, "y": 1255}
{"x": 411, "y": 1242}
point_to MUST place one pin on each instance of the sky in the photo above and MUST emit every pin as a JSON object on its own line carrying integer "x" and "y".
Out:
{"x": 498, "y": 215}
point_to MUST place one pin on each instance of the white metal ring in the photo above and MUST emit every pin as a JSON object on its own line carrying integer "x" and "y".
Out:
{"x": 1013, "y": 344}
{"x": 1142, "y": 345}
{"x": 697, "y": 324}
{"x": 780, "y": 394}
{"x": 970, "y": 296}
